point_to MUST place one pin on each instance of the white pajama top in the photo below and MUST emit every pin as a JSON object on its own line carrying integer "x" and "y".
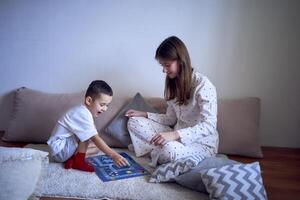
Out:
{"x": 195, "y": 122}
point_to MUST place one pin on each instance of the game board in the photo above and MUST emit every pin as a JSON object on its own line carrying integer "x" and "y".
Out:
{"x": 107, "y": 170}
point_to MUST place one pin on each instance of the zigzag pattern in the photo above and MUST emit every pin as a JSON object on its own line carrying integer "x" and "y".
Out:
{"x": 169, "y": 171}
{"x": 239, "y": 181}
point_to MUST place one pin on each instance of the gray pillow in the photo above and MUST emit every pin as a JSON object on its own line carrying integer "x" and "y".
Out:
{"x": 193, "y": 180}
{"x": 117, "y": 128}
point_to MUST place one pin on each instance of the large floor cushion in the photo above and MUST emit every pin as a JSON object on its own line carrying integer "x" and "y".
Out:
{"x": 20, "y": 171}
{"x": 35, "y": 114}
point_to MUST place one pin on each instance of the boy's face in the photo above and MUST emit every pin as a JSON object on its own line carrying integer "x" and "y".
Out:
{"x": 98, "y": 105}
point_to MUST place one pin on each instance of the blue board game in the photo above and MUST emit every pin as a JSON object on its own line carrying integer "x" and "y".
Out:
{"x": 107, "y": 170}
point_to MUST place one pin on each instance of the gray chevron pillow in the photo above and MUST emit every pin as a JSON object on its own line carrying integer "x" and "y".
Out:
{"x": 169, "y": 171}
{"x": 238, "y": 181}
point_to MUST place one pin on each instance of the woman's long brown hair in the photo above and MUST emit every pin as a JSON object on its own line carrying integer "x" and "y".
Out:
{"x": 178, "y": 88}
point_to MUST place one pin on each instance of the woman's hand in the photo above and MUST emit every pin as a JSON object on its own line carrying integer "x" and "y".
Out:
{"x": 119, "y": 160}
{"x": 136, "y": 113}
{"x": 163, "y": 138}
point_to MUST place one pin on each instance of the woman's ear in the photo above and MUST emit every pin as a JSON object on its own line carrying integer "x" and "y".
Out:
{"x": 88, "y": 100}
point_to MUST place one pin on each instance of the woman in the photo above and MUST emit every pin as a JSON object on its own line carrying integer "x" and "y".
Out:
{"x": 189, "y": 126}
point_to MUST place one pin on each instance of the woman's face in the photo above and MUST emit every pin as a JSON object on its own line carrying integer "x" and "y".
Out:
{"x": 170, "y": 67}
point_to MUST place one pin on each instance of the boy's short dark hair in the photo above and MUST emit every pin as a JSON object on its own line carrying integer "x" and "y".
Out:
{"x": 98, "y": 87}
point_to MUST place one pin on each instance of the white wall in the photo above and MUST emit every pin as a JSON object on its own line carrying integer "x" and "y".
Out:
{"x": 247, "y": 48}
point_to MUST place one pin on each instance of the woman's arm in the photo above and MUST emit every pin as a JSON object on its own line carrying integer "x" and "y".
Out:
{"x": 168, "y": 119}
{"x": 163, "y": 138}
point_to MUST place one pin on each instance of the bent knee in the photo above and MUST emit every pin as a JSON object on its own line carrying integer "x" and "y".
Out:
{"x": 133, "y": 122}
{"x": 136, "y": 124}
{"x": 168, "y": 152}
{"x": 170, "y": 147}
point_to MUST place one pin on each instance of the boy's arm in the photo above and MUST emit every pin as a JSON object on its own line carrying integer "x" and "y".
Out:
{"x": 117, "y": 158}
{"x": 102, "y": 145}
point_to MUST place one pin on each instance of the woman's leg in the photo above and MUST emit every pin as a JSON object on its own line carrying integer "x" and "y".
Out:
{"x": 175, "y": 150}
{"x": 141, "y": 131}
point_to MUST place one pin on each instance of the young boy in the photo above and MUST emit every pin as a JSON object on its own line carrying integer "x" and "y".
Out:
{"x": 72, "y": 133}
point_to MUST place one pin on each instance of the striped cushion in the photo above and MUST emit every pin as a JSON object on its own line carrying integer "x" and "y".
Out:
{"x": 238, "y": 181}
{"x": 167, "y": 172}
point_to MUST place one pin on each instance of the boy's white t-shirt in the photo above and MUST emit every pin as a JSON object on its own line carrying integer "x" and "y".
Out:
{"x": 78, "y": 122}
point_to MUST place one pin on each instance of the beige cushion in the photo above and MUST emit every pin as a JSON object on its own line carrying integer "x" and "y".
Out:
{"x": 157, "y": 103}
{"x": 35, "y": 114}
{"x": 238, "y": 123}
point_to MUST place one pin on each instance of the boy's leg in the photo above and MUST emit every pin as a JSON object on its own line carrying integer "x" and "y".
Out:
{"x": 69, "y": 149}
{"x": 82, "y": 146}
{"x": 77, "y": 161}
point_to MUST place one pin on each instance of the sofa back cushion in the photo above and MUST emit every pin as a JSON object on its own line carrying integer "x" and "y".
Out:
{"x": 35, "y": 113}
{"x": 238, "y": 126}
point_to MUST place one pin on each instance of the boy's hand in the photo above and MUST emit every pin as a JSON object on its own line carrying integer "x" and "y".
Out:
{"x": 120, "y": 160}
{"x": 135, "y": 113}
{"x": 117, "y": 158}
